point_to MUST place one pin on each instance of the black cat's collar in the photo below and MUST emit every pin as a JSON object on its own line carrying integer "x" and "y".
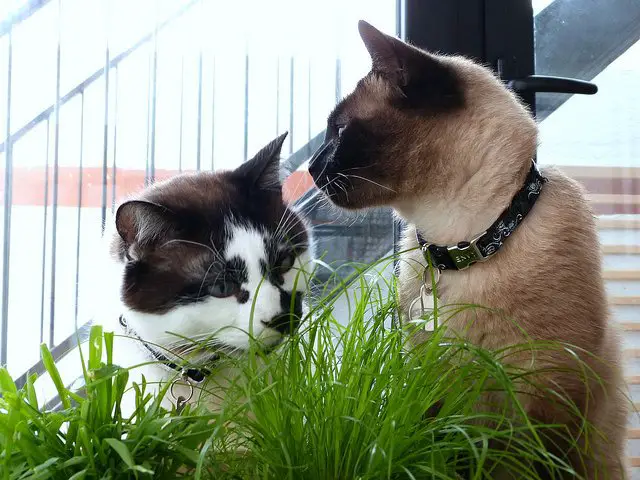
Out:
{"x": 196, "y": 375}
{"x": 464, "y": 254}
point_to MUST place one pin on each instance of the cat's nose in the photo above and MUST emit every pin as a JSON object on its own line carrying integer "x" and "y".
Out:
{"x": 288, "y": 321}
{"x": 318, "y": 161}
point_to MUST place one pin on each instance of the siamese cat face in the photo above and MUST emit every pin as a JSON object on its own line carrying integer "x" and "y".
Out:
{"x": 418, "y": 124}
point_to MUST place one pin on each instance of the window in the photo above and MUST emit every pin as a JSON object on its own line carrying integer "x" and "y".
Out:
{"x": 137, "y": 92}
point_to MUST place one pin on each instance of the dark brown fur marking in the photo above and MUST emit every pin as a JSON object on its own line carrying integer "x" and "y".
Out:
{"x": 173, "y": 234}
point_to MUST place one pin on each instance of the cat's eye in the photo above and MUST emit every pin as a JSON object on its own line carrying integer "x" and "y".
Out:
{"x": 341, "y": 129}
{"x": 286, "y": 262}
{"x": 224, "y": 289}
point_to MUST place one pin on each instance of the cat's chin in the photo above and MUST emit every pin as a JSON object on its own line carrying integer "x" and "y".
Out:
{"x": 267, "y": 342}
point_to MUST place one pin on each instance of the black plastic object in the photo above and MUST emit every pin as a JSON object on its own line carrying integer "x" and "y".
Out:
{"x": 544, "y": 83}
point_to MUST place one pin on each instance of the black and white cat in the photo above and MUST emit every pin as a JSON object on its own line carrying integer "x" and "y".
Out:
{"x": 217, "y": 258}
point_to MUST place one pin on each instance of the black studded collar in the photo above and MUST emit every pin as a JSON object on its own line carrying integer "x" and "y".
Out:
{"x": 464, "y": 254}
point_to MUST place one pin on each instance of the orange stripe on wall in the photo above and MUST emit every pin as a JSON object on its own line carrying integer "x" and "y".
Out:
{"x": 29, "y": 185}
{"x": 296, "y": 185}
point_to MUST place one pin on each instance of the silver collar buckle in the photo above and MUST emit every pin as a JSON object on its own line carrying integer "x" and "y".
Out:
{"x": 465, "y": 254}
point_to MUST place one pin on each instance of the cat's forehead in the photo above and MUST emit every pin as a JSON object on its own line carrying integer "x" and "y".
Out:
{"x": 457, "y": 82}
{"x": 214, "y": 199}
{"x": 245, "y": 241}
{"x": 192, "y": 191}
{"x": 248, "y": 248}
{"x": 368, "y": 98}
{"x": 210, "y": 209}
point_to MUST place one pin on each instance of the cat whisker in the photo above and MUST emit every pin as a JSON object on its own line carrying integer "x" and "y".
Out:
{"x": 283, "y": 218}
{"x": 189, "y": 242}
{"x": 340, "y": 174}
{"x": 286, "y": 226}
{"x": 342, "y": 187}
{"x": 356, "y": 168}
{"x": 195, "y": 342}
{"x": 291, "y": 237}
{"x": 204, "y": 277}
{"x": 371, "y": 181}
{"x": 324, "y": 167}
{"x": 288, "y": 216}
{"x": 216, "y": 252}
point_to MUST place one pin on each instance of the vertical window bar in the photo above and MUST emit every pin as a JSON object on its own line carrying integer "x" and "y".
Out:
{"x": 213, "y": 114}
{"x": 54, "y": 202}
{"x": 246, "y": 106}
{"x": 115, "y": 140}
{"x": 154, "y": 89}
{"x": 200, "y": 28}
{"x": 291, "y": 80}
{"x": 399, "y": 19}
{"x": 181, "y": 112}
{"x": 199, "y": 125}
{"x": 8, "y": 194}
{"x": 79, "y": 215}
{"x": 278, "y": 95}
{"x": 146, "y": 167}
{"x": 309, "y": 101}
{"x": 44, "y": 231}
{"x": 338, "y": 79}
{"x": 105, "y": 133}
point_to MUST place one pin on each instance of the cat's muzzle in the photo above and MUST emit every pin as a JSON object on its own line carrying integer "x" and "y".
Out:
{"x": 289, "y": 320}
{"x": 319, "y": 162}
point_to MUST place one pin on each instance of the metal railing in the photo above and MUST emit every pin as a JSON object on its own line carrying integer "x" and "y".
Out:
{"x": 48, "y": 115}
{"x": 370, "y": 237}
{"x": 341, "y": 238}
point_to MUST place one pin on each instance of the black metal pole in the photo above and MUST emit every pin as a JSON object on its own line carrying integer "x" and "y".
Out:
{"x": 493, "y": 32}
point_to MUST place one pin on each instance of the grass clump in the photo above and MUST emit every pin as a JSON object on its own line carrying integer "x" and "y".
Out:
{"x": 334, "y": 402}
{"x": 88, "y": 437}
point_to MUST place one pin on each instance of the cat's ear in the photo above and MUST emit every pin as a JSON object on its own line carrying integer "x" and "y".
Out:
{"x": 398, "y": 61}
{"x": 422, "y": 77}
{"x": 385, "y": 51}
{"x": 141, "y": 221}
{"x": 263, "y": 170}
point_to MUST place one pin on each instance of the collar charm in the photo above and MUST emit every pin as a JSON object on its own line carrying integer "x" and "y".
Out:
{"x": 422, "y": 310}
{"x": 192, "y": 375}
